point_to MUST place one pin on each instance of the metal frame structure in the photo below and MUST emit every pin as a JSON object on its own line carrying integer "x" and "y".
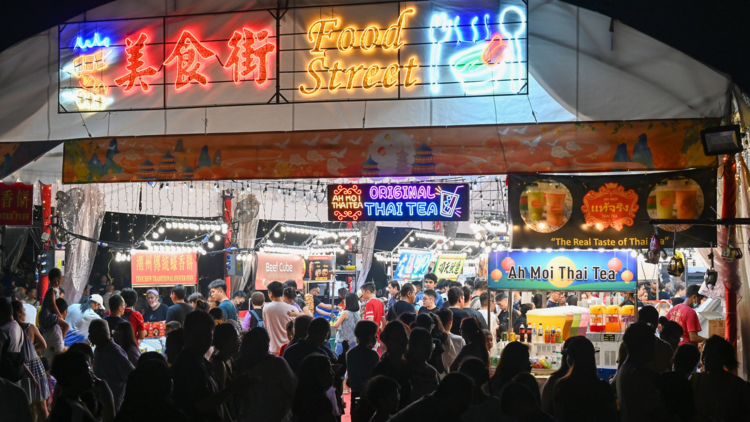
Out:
{"x": 278, "y": 97}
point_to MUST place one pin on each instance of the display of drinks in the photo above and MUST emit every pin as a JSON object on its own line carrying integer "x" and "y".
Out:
{"x": 522, "y": 334}
{"x": 558, "y": 336}
{"x": 596, "y": 324}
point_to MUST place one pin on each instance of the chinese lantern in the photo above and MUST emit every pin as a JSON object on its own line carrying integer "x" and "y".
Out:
{"x": 496, "y": 274}
{"x": 615, "y": 264}
{"x": 627, "y": 276}
{"x": 507, "y": 263}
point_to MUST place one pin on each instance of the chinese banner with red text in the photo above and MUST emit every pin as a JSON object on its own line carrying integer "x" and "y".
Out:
{"x": 163, "y": 268}
{"x": 16, "y": 204}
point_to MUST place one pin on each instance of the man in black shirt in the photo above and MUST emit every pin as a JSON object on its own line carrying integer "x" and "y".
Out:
{"x": 473, "y": 312}
{"x": 429, "y": 300}
{"x": 196, "y": 390}
{"x": 180, "y": 309}
{"x": 116, "y": 311}
{"x": 405, "y": 304}
{"x": 456, "y": 305}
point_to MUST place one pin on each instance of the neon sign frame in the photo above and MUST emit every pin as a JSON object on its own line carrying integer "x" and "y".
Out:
{"x": 399, "y": 202}
{"x": 385, "y": 81}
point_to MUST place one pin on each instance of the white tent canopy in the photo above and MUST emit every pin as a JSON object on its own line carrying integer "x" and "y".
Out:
{"x": 579, "y": 70}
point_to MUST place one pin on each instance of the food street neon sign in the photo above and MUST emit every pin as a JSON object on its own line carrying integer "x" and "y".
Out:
{"x": 398, "y": 202}
{"x": 409, "y": 53}
{"x": 347, "y": 39}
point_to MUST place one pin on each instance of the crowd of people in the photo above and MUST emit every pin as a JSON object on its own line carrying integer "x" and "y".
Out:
{"x": 421, "y": 353}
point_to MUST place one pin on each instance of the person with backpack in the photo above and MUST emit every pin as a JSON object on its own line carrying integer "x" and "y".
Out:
{"x": 11, "y": 345}
{"x": 254, "y": 317}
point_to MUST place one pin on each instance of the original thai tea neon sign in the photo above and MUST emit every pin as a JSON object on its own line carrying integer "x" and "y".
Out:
{"x": 398, "y": 202}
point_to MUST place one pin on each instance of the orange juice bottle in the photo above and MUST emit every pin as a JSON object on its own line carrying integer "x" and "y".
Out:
{"x": 612, "y": 319}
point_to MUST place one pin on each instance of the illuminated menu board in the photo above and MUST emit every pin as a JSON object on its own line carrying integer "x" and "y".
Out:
{"x": 398, "y": 202}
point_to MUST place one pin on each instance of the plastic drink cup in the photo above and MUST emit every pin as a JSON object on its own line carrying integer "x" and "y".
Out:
{"x": 685, "y": 200}
{"x": 536, "y": 205}
{"x": 664, "y": 203}
{"x": 555, "y": 209}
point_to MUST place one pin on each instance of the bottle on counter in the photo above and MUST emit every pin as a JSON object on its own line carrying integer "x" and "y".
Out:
{"x": 558, "y": 336}
{"x": 505, "y": 336}
{"x": 512, "y": 336}
{"x": 546, "y": 334}
{"x": 540, "y": 334}
{"x": 522, "y": 333}
{"x": 553, "y": 336}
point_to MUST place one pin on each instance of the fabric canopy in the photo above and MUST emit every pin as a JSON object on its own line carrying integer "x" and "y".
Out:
{"x": 578, "y": 70}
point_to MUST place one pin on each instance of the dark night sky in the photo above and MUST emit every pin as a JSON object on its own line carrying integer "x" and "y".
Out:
{"x": 714, "y": 32}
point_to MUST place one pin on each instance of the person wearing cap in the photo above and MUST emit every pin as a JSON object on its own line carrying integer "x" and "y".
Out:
{"x": 685, "y": 315}
{"x": 155, "y": 311}
{"x": 79, "y": 318}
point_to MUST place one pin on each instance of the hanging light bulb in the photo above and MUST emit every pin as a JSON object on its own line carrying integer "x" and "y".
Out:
{"x": 276, "y": 234}
{"x": 210, "y": 244}
{"x": 169, "y": 225}
{"x": 155, "y": 235}
{"x": 217, "y": 237}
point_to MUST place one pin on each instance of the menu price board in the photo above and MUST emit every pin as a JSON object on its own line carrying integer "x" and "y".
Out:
{"x": 399, "y": 202}
{"x": 163, "y": 268}
{"x": 321, "y": 268}
{"x": 610, "y": 212}
{"x": 449, "y": 267}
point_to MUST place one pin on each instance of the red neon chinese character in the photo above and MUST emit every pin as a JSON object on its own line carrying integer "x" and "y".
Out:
{"x": 245, "y": 51}
{"x": 187, "y": 64}
{"x": 134, "y": 51}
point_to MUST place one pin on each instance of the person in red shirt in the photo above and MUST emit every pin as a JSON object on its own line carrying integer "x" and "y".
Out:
{"x": 685, "y": 315}
{"x": 134, "y": 317}
{"x": 374, "y": 310}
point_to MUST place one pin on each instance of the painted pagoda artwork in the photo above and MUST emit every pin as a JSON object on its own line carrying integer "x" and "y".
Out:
{"x": 424, "y": 164}
{"x": 370, "y": 168}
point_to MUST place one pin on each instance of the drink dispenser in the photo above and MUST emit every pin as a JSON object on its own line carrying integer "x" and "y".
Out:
{"x": 612, "y": 319}
{"x": 596, "y": 323}
{"x": 627, "y": 317}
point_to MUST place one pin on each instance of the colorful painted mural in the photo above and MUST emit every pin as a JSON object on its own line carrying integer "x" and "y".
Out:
{"x": 15, "y": 155}
{"x": 404, "y": 152}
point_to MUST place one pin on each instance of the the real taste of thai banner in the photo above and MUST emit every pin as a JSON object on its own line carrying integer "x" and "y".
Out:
{"x": 163, "y": 268}
{"x": 404, "y": 152}
{"x": 611, "y": 212}
{"x": 563, "y": 270}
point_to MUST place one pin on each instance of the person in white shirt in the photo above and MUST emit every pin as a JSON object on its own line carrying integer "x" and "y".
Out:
{"x": 276, "y": 315}
{"x": 30, "y": 310}
{"x": 54, "y": 338}
{"x": 11, "y": 338}
{"x": 80, "y": 317}
{"x": 457, "y": 342}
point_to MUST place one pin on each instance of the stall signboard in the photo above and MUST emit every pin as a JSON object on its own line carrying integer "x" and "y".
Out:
{"x": 563, "y": 270}
{"x": 278, "y": 267}
{"x": 163, "y": 268}
{"x": 611, "y": 212}
{"x": 321, "y": 268}
{"x": 412, "y": 265}
{"x": 385, "y": 50}
{"x": 399, "y": 202}
{"x": 449, "y": 267}
{"x": 16, "y": 204}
